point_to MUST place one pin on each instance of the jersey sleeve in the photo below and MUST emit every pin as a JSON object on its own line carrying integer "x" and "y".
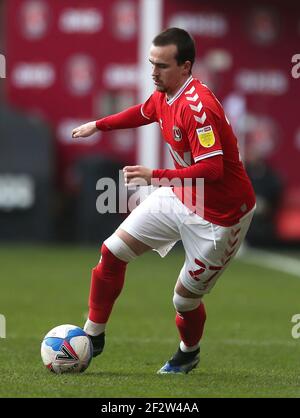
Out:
{"x": 148, "y": 109}
{"x": 203, "y": 127}
{"x": 128, "y": 118}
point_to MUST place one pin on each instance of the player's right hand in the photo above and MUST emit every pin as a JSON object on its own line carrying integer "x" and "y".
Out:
{"x": 85, "y": 130}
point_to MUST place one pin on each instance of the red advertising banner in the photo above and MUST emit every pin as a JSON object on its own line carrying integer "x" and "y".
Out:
{"x": 71, "y": 62}
{"x": 249, "y": 54}
{"x": 245, "y": 56}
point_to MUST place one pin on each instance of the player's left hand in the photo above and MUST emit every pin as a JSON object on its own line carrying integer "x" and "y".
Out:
{"x": 137, "y": 175}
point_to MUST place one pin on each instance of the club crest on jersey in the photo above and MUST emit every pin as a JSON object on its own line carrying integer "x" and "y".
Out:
{"x": 206, "y": 136}
{"x": 177, "y": 135}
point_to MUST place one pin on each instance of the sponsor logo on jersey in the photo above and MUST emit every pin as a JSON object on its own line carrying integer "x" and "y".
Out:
{"x": 206, "y": 136}
{"x": 177, "y": 134}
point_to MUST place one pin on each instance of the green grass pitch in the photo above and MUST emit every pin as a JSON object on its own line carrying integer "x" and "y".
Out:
{"x": 247, "y": 349}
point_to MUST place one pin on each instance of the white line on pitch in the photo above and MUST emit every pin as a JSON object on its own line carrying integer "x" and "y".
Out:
{"x": 271, "y": 260}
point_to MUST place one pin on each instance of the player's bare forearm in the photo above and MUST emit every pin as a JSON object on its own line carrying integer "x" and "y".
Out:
{"x": 137, "y": 175}
{"x": 85, "y": 130}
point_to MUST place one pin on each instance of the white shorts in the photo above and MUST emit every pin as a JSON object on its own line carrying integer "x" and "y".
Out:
{"x": 162, "y": 219}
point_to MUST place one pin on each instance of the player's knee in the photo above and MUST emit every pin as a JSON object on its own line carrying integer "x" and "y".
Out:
{"x": 182, "y": 304}
{"x": 118, "y": 248}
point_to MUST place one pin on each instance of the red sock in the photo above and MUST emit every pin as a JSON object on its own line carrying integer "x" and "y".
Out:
{"x": 106, "y": 285}
{"x": 190, "y": 325}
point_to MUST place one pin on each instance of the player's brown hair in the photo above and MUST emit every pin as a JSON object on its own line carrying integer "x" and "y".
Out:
{"x": 186, "y": 50}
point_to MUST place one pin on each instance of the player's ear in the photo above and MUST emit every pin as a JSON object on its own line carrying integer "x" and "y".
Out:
{"x": 187, "y": 67}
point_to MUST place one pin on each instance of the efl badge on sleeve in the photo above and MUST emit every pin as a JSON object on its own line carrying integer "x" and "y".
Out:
{"x": 206, "y": 136}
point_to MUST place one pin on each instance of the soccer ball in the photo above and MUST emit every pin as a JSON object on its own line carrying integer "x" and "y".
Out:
{"x": 66, "y": 349}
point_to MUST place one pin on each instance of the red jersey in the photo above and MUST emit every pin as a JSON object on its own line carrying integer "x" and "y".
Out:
{"x": 195, "y": 127}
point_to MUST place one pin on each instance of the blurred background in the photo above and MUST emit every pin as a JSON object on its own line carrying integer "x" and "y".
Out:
{"x": 71, "y": 62}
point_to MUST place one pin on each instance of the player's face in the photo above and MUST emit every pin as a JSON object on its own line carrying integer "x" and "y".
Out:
{"x": 167, "y": 75}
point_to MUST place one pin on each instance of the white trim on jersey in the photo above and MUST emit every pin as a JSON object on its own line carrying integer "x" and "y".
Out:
{"x": 194, "y": 98}
{"x": 196, "y": 108}
{"x": 200, "y": 120}
{"x": 189, "y": 92}
{"x": 178, "y": 159}
{"x": 208, "y": 155}
{"x": 144, "y": 114}
{"x": 180, "y": 91}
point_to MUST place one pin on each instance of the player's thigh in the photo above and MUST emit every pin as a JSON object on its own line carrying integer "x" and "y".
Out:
{"x": 137, "y": 246}
{"x": 209, "y": 249}
{"x": 154, "y": 222}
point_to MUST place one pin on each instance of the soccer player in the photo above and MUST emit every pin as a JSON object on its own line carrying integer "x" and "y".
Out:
{"x": 203, "y": 146}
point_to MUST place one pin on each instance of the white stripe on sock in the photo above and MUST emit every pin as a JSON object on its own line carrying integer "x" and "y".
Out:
{"x": 187, "y": 349}
{"x": 92, "y": 328}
